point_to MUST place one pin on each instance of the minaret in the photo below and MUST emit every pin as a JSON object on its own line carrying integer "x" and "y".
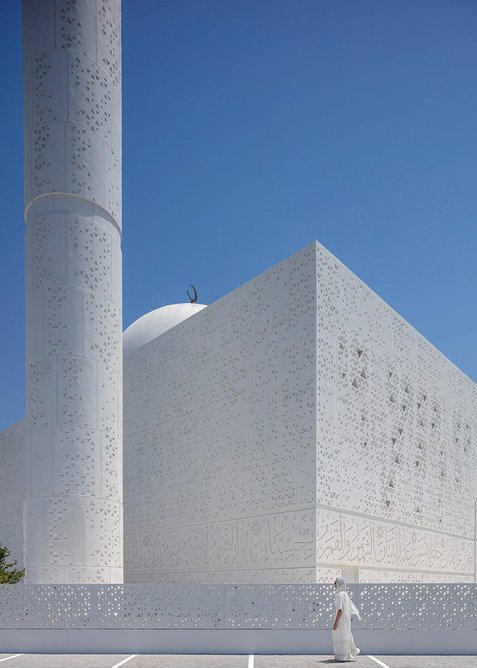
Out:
{"x": 72, "y": 80}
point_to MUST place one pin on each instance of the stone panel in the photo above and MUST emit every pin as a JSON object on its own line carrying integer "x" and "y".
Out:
{"x": 63, "y": 530}
{"x": 102, "y": 532}
{"x": 89, "y": 255}
{"x": 77, "y": 462}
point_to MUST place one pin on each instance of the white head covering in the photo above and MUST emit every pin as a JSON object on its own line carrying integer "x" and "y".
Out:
{"x": 340, "y": 584}
{"x": 349, "y": 607}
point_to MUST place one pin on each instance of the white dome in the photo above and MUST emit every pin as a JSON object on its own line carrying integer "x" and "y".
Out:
{"x": 148, "y": 326}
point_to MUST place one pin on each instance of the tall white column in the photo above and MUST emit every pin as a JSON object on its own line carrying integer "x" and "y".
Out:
{"x": 72, "y": 80}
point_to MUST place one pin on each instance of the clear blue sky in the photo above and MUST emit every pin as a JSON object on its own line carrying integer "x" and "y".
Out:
{"x": 252, "y": 127}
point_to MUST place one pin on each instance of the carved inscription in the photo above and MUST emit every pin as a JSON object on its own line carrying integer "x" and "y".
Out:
{"x": 357, "y": 540}
{"x": 278, "y": 539}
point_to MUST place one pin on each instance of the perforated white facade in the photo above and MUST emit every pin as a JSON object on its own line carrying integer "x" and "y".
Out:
{"x": 72, "y": 80}
{"x": 295, "y": 428}
{"x": 397, "y": 427}
{"x": 396, "y": 607}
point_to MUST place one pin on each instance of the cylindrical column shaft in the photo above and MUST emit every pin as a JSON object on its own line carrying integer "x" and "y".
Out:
{"x": 72, "y": 77}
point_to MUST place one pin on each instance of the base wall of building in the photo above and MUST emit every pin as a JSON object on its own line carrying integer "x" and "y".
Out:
{"x": 243, "y": 641}
{"x": 249, "y": 619}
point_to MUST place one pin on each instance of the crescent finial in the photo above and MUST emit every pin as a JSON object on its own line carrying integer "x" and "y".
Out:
{"x": 193, "y": 299}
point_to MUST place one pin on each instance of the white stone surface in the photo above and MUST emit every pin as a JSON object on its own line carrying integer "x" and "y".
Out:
{"x": 261, "y": 441}
{"x": 239, "y": 619}
{"x": 397, "y": 440}
{"x": 155, "y": 323}
{"x": 72, "y": 78}
{"x": 72, "y": 61}
{"x": 293, "y": 429}
{"x": 426, "y": 607}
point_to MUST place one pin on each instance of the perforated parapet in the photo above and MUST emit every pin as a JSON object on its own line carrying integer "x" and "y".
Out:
{"x": 296, "y": 427}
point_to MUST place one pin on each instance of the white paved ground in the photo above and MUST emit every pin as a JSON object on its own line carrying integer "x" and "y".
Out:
{"x": 225, "y": 661}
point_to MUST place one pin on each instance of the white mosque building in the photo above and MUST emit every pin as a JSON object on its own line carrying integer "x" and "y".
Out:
{"x": 293, "y": 430}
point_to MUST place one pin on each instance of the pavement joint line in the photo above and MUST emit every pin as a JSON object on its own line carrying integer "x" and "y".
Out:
{"x": 380, "y": 663}
{"x": 251, "y": 661}
{"x": 121, "y": 663}
{"x": 10, "y": 657}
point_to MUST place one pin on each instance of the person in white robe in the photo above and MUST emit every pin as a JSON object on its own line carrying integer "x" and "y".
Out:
{"x": 343, "y": 641}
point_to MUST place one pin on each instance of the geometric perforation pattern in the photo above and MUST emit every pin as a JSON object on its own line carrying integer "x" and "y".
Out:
{"x": 397, "y": 421}
{"x": 299, "y": 400}
{"x": 72, "y": 74}
{"x": 432, "y": 607}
